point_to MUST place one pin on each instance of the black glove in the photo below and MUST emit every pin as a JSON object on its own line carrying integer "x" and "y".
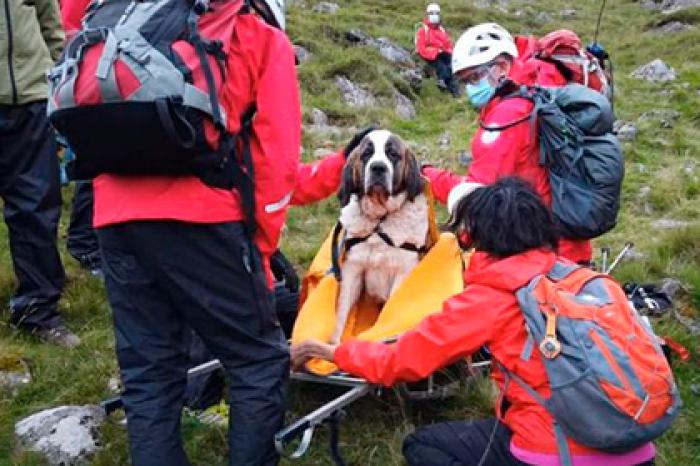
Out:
{"x": 356, "y": 139}
{"x": 283, "y": 271}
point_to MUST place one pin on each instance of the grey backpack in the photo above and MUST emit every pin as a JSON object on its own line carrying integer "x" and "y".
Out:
{"x": 583, "y": 158}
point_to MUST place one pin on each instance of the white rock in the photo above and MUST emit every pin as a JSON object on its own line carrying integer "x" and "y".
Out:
{"x": 625, "y": 130}
{"x": 318, "y": 117}
{"x": 654, "y": 71}
{"x": 543, "y": 17}
{"x": 669, "y": 224}
{"x": 568, "y": 13}
{"x": 353, "y": 94}
{"x": 671, "y": 27}
{"x": 65, "y": 436}
{"x": 445, "y": 139}
{"x": 302, "y": 53}
{"x": 403, "y": 106}
{"x": 671, "y": 6}
{"x": 326, "y": 7}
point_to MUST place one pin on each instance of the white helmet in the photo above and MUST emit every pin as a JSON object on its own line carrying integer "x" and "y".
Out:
{"x": 432, "y": 8}
{"x": 480, "y": 44}
{"x": 272, "y": 11}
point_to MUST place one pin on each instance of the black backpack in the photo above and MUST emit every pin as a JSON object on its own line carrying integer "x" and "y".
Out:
{"x": 583, "y": 158}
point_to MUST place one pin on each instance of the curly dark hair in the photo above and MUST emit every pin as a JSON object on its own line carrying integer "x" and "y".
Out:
{"x": 504, "y": 219}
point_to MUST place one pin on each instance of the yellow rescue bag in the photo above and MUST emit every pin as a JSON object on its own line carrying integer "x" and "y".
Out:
{"x": 437, "y": 277}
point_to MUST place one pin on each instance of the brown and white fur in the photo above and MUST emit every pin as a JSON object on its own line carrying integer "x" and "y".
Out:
{"x": 381, "y": 184}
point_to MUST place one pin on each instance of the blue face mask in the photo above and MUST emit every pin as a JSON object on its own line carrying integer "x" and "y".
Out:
{"x": 480, "y": 94}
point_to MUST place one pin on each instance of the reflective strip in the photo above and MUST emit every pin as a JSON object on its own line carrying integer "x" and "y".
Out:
{"x": 279, "y": 205}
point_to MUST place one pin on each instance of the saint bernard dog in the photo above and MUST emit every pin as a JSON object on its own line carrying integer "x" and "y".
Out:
{"x": 385, "y": 221}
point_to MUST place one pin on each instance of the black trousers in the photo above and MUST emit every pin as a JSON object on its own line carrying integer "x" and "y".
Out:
{"x": 30, "y": 189}
{"x": 82, "y": 240}
{"x": 165, "y": 278}
{"x": 462, "y": 443}
{"x": 443, "y": 67}
{"x": 205, "y": 390}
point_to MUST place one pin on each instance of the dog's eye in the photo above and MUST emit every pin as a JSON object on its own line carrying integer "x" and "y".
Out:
{"x": 369, "y": 151}
{"x": 392, "y": 153}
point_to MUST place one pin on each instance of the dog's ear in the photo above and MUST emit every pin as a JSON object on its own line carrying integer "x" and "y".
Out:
{"x": 414, "y": 180}
{"x": 350, "y": 182}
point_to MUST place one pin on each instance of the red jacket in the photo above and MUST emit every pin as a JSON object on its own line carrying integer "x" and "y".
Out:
{"x": 72, "y": 12}
{"x": 432, "y": 39}
{"x": 262, "y": 71}
{"x": 317, "y": 181}
{"x": 485, "y": 313}
{"x": 511, "y": 152}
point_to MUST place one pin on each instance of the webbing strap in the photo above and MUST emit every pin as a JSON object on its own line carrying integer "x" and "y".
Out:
{"x": 560, "y": 437}
{"x": 109, "y": 54}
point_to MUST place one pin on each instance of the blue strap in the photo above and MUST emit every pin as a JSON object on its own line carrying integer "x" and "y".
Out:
{"x": 562, "y": 446}
{"x": 527, "y": 348}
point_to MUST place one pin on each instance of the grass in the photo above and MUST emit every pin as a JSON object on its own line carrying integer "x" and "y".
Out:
{"x": 372, "y": 431}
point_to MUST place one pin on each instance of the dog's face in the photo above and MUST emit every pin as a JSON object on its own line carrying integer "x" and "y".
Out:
{"x": 381, "y": 166}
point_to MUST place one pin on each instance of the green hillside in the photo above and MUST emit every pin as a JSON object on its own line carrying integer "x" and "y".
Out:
{"x": 662, "y": 183}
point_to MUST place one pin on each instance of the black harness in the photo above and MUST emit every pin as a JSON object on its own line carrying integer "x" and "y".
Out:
{"x": 349, "y": 243}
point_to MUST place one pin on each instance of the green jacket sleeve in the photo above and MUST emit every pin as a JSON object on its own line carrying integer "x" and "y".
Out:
{"x": 49, "y": 15}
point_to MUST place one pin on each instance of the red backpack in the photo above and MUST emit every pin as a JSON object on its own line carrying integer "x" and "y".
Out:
{"x": 564, "y": 49}
{"x": 611, "y": 386}
{"x": 140, "y": 90}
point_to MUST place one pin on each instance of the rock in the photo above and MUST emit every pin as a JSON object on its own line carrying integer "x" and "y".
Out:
{"x": 653, "y": 71}
{"x": 66, "y": 436}
{"x": 665, "y": 116}
{"x": 625, "y": 130}
{"x": 322, "y": 152}
{"x": 14, "y": 375}
{"x": 318, "y": 117}
{"x": 644, "y": 193}
{"x": 543, "y": 18}
{"x": 669, "y": 224}
{"x": 358, "y": 37}
{"x": 403, "y": 106}
{"x": 464, "y": 158}
{"x": 689, "y": 167}
{"x": 568, "y": 13}
{"x": 671, "y": 6}
{"x": 302, "y": 54}
{"x": 500, "y": 5}
{"x": 413, "y": 76}
{"x": 326, "y": 7}
{"x": 353, "y": 94}
{"x": 671, "y": 286}
{"x": 641, "y": 168}
{"x": 650, "y": 5}
{"x": 393, "y": 52}
{"x": 672, "y": 27}
{"x": 444, "y": 141}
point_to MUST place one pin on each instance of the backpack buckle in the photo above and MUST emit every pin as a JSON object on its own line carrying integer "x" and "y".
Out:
{"x": 550, "y": 346}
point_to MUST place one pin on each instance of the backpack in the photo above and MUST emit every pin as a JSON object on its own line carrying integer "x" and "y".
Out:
{"x": 139, "y": 90}
{"x": 564, "y": 49}
{"x": 611, "y": 386}
{"x": 584, "y": 159}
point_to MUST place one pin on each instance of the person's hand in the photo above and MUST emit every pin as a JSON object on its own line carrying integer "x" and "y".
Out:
{"x": 310, "y": 349}
{"x": 356, "y": 139}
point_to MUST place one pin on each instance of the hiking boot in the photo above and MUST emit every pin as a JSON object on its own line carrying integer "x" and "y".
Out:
{"x": 441, "y": 85}
{"x": 454, "y": 89}
{"x": 58, "y": 335}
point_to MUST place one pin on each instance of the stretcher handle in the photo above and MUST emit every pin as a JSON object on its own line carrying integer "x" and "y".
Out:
{"x": 302, "y": 428}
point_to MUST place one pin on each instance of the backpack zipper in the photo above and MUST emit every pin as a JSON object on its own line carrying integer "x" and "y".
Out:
{"x": 11, "y": 69}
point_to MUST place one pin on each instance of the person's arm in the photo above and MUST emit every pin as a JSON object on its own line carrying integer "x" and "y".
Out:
{"x": 466, "y": 322}
{"x": 448, "y": 42}
{"x": 49, "y": 15}
{"x": 441, "y": 182}
{"x": 422, "y": 47}
{"x": 317, "y": 181}
{"x": 276, "y": 126}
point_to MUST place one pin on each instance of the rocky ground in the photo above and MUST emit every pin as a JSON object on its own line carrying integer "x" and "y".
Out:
{"x": 356, "y": 67}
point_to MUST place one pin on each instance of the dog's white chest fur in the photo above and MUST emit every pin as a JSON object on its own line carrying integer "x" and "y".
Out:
{"x": 381, "y": 266}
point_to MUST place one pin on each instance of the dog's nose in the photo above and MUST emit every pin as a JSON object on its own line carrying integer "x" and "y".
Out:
{"x": 378, "y": 169}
